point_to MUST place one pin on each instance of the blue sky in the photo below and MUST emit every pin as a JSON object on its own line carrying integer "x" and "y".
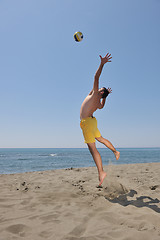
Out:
{"x": 45, "y": 75}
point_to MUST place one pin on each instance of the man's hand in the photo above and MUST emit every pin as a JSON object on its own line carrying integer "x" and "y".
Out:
{"x": 105, "y": 59}
{"x": 109, "y": 90}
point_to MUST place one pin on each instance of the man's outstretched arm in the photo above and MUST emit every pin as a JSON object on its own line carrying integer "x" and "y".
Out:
{"x": 102, "y": 103}
{"x": 104, "y": 60}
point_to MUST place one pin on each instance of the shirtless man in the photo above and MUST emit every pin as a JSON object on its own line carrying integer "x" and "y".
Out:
{"x": 96, "y": 100}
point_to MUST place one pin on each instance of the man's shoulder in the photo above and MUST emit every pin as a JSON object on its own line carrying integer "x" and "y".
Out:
{"x": 93, "y": 93}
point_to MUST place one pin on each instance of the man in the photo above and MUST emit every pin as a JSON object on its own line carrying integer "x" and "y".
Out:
{"x": 96, "y": 100}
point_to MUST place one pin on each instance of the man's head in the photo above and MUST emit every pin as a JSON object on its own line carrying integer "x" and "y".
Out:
{"x": 104, "y": 92}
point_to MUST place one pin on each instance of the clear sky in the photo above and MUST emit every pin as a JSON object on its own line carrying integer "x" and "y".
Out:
{"x": 45, "y": 75}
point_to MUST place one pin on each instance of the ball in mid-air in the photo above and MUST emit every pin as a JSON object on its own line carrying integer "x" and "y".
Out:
{"x": 78, "y": 36}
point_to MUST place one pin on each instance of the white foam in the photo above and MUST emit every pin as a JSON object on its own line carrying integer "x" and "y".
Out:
{"x": 53, "y": 154}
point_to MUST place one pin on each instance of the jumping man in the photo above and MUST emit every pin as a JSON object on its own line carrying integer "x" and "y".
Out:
{"x": 96, "y": 100}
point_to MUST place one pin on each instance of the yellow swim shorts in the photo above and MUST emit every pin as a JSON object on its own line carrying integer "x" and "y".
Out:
{"x": 90, "y": 130}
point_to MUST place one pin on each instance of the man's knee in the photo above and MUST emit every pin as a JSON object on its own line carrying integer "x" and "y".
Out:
{"x": 92, "y": 147}
{"x": 100, "y": 139}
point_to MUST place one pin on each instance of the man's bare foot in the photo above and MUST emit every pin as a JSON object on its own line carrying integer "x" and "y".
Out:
{"x": 102, "y": 177}
{"x": 117, "y": 155}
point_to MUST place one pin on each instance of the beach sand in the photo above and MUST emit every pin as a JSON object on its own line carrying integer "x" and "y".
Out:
{"x": 68, "y": 204}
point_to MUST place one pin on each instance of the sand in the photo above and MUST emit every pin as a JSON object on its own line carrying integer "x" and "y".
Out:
{"x": 68, "y": 204}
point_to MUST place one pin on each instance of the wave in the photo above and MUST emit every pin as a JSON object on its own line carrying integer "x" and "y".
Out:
{"x": 53, "y": 154}
{"x": 23, "y": 159}
{"x": 47, "y": 155}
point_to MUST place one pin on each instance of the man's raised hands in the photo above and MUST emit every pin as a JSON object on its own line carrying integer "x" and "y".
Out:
{"x": 105, "y": 59}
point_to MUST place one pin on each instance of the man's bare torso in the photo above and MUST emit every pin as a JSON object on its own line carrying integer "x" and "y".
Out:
{"x": 90, "y": 104}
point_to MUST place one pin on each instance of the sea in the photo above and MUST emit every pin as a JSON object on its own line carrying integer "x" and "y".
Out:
{"x": 19, "y": 160}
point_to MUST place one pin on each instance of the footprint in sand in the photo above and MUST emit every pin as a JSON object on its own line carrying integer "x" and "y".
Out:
{"x": 154, "y": 187}
{"x": 46, "y": 234}
{"x": 18, "y": 229}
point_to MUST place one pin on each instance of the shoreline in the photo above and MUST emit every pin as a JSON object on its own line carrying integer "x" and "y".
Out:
{"x": 74, "y": 168}
{"x": 68, "y": 204}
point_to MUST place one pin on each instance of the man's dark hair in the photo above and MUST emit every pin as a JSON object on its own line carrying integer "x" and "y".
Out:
{"x": 106, "y": 92}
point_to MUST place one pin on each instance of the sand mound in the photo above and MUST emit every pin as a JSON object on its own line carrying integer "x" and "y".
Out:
{"x": 113, "y": 189}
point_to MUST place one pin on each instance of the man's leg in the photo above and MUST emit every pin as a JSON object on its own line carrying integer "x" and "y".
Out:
{"x": 97, "y": 158}
{"x": 109, "y": 145}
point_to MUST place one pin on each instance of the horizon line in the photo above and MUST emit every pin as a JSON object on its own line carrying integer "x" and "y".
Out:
{"x": 66, "y": 147}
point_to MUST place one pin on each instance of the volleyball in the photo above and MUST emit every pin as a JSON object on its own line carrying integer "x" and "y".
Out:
{"x": 78, "y": 36}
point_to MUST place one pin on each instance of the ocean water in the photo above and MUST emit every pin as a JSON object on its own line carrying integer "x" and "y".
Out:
{"x": 18, "y": 160}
